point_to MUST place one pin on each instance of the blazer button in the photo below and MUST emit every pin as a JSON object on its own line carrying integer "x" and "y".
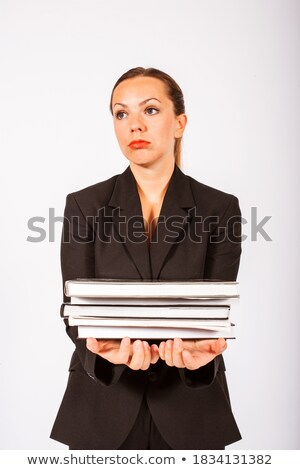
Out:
{"x": 152, "y": 376}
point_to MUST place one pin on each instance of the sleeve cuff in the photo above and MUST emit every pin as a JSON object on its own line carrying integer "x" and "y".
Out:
{"x": 101, "y": 370}
{"x": 202, "y": 377}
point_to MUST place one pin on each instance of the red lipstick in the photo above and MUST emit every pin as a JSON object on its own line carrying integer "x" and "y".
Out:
{"x": 139, "y": 144}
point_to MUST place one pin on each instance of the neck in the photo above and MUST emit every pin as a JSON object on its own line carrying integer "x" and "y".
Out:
{"x": 151, "y": 181}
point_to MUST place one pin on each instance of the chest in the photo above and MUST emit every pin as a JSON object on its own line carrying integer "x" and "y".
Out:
{"x": 151, "y": 211}
{"x": 174, "y": 252}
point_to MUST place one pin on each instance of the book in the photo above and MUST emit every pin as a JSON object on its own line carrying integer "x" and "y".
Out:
{"x": 106, "y": 332}
{"x": 151, "y": 322}
{"x": 162, "y": 301}
{"x": 151, "y": 311}
{"x": 131, "y": 288}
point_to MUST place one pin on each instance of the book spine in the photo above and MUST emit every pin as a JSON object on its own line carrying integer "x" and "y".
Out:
{"x": 62, "y": 309}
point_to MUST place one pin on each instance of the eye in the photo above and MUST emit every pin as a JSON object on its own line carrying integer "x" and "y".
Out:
{"x": 151, "y": 110}
{"x": 120, "y": 115}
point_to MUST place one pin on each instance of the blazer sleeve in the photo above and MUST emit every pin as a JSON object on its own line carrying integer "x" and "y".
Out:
{"x": 78, "y": 261}
{"x": 221, "y": 263}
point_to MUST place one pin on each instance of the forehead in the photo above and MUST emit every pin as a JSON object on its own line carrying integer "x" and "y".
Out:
{"x": 139, "y": 89}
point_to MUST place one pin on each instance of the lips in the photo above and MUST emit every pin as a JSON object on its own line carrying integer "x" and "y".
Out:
{"x": 139, "y": 144}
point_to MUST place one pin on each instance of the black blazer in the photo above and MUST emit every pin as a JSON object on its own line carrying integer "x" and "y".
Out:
{"x": 198, "y": 236}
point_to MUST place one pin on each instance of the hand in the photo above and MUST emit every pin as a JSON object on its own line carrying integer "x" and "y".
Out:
{"x": 138, "y": 355}
{"x": 191, "y": 354}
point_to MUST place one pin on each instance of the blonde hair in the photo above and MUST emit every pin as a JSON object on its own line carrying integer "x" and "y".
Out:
{"x": 173, "y": 90}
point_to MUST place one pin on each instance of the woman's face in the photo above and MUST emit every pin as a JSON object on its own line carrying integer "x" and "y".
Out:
{"x": 144, "y": 120}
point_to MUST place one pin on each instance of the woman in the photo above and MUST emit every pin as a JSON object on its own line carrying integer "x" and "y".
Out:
{"x": 138, "y": 394}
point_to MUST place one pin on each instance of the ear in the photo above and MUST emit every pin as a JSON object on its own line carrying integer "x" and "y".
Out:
{"x": 181, "y": 121}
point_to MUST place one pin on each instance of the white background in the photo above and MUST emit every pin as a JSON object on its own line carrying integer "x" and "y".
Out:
{"x": 238, "y": 65}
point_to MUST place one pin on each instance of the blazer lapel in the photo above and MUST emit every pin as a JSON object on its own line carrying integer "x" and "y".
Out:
{"x": 173, "y": 220}
{"x": 128, "y": 222}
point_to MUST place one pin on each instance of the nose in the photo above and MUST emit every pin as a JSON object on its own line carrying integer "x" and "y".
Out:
{"x": 136, "y": 128}
{"x": 137, "y": 125}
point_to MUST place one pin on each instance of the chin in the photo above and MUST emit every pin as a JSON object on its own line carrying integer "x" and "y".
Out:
{"x": 140, "y": 159}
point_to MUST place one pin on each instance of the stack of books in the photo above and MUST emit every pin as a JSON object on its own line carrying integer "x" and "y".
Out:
{"x": 111, "y": 308}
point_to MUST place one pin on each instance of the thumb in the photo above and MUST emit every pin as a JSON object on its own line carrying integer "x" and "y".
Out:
{"x": 188, "y": 360}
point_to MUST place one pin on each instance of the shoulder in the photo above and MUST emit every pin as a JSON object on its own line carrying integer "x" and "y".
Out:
{"x": 94, "y": 196}
{"x": 212, "y": 201}
{"x": 203, "y": 190}
{"x": 102, "y": 189}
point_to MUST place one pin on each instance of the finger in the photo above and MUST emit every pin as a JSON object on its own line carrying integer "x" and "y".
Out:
{"x": 125, "y": 350}
{"x": 161, "y": 350}
{"x": 169, "y": 353}
{"x": 216, "y": 346}
{"x": 177, "y": 353}
{"x": 147, "y": 356}
{"x": 154, "y": 353}
{"x": 221, "y": 346}
{"x": 92, "y": 345}
{"x": 137, "y": 359}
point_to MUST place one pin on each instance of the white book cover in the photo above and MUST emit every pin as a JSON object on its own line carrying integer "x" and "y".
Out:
{"x": 122, "y": 288}
{"x": 146, "y": 311}
{"x": 151, "y": 322}
{"x": 104, "y": 332}
{"x": 160, "y": 301}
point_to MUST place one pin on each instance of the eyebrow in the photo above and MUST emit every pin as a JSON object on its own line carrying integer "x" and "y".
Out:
{"x": 140, "y": 104}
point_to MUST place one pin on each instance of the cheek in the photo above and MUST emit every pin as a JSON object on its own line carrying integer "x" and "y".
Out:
{"x": 166, "y": 132}
{"x": 164, "y": 128}
{"x": 120, "y": 134}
